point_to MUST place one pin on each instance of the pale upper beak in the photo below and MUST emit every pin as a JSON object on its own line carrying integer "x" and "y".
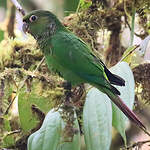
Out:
{"x": 25, "y": 27}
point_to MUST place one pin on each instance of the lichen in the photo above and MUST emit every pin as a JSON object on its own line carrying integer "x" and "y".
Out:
{"x": 142, "y": 80}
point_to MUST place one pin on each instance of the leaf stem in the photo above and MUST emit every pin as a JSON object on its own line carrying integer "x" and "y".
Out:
{"x": 40, "y": 63}
{"x": 130, "y": 52}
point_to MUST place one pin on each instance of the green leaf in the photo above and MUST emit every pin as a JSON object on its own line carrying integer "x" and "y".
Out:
{"x": 3, "y": 3}
{"x": 70, "y": 6}
{"x": 127, "y": 95}
{"x": 85, "y": 4}
{"x": 49, "y": 136}
{"x": 1, "y": 35}
{"x": 8, "y": 140}
{"x": 97, "y": 120}
{"x": 29, "y": 120}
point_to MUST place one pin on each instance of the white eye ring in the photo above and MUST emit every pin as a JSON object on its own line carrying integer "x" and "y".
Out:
{"x": 33, "y": 18}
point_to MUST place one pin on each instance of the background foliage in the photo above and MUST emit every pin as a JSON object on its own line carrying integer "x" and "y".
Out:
{"x": 28, "y": 92}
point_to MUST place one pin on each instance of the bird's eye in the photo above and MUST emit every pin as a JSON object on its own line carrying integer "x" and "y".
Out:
{"x": 33, "y": 18}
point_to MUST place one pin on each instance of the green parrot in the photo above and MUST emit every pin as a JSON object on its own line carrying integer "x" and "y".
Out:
{"x": 72, "y": 58}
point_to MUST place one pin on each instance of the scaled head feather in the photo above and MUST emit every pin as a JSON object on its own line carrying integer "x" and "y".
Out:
{"x": 41, "y": 23}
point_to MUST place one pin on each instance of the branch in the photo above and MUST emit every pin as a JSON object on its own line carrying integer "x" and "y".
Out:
{"x": 27, "y": 77}
{"x": 137, "y": 144}
{"x": 18, "y": 7}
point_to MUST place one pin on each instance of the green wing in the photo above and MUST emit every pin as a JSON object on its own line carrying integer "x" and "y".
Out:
{"x": 74, "y": 55}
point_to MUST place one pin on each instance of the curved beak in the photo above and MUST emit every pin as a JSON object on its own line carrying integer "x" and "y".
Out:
{"x": 25, "y": 27}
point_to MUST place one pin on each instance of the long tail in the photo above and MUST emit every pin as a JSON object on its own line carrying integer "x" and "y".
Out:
{"x": 125, "y": 109}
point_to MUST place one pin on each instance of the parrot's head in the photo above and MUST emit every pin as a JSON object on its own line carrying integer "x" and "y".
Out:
{"x": 40, "y": 23}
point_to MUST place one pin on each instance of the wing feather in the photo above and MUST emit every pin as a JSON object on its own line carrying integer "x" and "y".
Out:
{"x": 73, "y": 54}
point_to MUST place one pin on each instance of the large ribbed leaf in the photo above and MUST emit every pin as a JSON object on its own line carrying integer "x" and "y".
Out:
{"x": 144, "y": 44}
{"x": 97, "y": 120}
{"x": 49, "y": 136}
{"x": 127, "y": 95}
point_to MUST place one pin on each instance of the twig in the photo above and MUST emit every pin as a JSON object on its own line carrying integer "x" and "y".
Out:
{"x": 140, "y": 143}
{"x": 40, "y": 63}
{"x": 129, "y": 53}
{"x": 18, "y": 6}
{"x": 125, "y": 10}
{"x": 11, "y": 22}
{"x": 13, "y": 132}
{"x": 2, "y": 86}
{"x": 138, "y": 35}
{"x": 146, "y": 132}
{"x": 12, "y": 100}
{"x": 22, "y": 142}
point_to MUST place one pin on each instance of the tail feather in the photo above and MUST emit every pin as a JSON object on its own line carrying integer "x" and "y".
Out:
{"x": 114, "y": 79}
{"x": 114, "y": 90}
{"x": 125, "y": 109}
